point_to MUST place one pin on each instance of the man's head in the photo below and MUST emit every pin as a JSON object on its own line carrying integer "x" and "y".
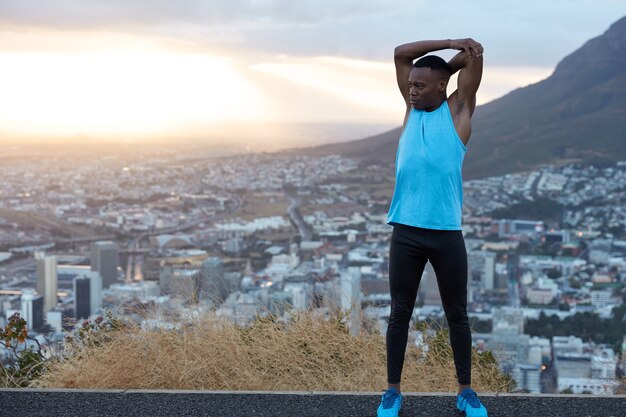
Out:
{"x": 428, "y": 80}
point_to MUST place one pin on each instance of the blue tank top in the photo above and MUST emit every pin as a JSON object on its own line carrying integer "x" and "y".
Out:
{"x": 429, "y": 189}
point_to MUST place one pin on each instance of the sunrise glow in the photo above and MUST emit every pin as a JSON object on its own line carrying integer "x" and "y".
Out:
{"x": 117, "y": 91}
{"x": 111, "y": 85}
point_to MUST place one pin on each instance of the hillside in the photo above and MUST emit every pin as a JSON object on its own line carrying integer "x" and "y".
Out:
{"x": 576, "y": 114}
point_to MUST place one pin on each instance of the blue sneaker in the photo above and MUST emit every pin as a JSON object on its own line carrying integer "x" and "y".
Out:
{"x": 467, "y": 402}
{"x": 390, "y": 403}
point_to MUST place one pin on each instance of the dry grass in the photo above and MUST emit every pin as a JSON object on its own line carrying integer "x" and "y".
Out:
{"x": 308, "y": 353}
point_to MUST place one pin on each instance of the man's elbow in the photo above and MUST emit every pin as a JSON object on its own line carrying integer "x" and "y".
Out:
{"x": 399, "y": 53}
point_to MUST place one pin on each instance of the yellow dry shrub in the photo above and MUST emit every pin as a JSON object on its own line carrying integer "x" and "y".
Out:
{"x": 307, "y": 353}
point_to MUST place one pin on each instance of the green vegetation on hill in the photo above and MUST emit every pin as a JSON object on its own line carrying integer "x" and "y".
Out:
{"x": 587, "y": 326}
{"x": 541, "y": 208}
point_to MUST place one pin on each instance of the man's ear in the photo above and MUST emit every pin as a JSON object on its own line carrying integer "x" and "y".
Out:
{"x": 443, "y": 83}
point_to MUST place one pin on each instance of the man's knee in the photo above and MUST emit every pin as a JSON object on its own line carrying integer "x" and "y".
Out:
{"x": 457, "y": 318}
{"x": 400, "y": 317}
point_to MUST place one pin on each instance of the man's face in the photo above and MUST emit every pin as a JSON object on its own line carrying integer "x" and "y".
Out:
{"x": 425, "y": 88}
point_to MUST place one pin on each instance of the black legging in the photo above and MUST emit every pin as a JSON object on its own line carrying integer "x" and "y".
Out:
{"x": 410, "y": 249}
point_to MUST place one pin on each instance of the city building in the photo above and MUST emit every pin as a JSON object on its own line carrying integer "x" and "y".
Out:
{"x": 508, "y": 318}
{"x": 527, "y": 377}
{"x": 47, "y": 280}
{"x": 350, "y": 287}
{"x": 32, "y": 309}
{"x": 505, "y": 228}
{"x": 82, "y": 298}
{"x": 487, "y": 276}
{"x": 179, "y": 282}
{"x": 105, "y": 259}
{"x": 211, "y": 282}
{"x": 69, "y": 273}
{"x": 55, "y": 319}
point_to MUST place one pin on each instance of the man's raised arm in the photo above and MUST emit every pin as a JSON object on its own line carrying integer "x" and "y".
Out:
{"x": 470, "y": 62}
{"x": 405, "y": 54}
{"x": 463, "y": 101}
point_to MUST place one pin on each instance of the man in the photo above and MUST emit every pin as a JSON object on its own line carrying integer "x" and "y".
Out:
{"x": 425, "y": 210}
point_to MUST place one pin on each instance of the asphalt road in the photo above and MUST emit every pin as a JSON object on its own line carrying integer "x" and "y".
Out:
{"x": 140, "y": 403}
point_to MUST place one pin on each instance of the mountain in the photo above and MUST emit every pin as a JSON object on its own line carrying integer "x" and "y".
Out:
{"x": 576, "y": 114}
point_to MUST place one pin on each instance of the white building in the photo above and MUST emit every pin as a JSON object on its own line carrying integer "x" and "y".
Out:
{"x": 350, "y": 295}
{"x": 55, "y": 319}
{"x": 47, "y": 280}
{"x": 141, "y": 290}
{"x": 489, "y": 270}
{"x": 32, "y": 309}
{"x": 508, "y": 317}
{"x": 572, "y": 365}
{"x": 543, "y": 292}
{"x": 588, "y": 385}
{"x": 284, "y": 262}
{"x": 527, "y": 377}
{"x": 300, "y": 295}
{"x": 603, "y": 363}
{"x": 601, "y": 298}
{"x": 539, "y": 350}
{"x": 567, "y": 344}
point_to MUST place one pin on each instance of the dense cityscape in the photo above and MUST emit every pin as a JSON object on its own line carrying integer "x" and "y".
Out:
{"x": 257, "y": 234}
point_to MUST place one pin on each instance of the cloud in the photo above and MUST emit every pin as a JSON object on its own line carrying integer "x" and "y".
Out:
{"x": 81, "y": 14}
{"x": 369, "y": 85}
{"x": 531, "y": 33}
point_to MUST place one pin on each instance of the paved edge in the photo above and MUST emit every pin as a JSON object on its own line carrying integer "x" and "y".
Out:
{"x": 60, "y": 402}
{"x": 307, "y": 393}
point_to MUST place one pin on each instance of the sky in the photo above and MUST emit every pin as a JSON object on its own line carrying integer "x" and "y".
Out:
{"x": 152, "y": 68}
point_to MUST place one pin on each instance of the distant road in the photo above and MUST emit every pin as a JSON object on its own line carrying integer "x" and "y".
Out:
{"x": 294, "y": 214}
{"x": 66, "y": 240}
{"x": 18, "y": 265}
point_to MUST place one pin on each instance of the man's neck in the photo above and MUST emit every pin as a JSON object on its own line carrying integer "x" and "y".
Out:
{"x": 436, "y": 106}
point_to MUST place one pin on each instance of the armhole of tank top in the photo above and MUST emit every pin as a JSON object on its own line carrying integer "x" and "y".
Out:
{"x": 456, "y": 134}
{"x": 408, "y": 119}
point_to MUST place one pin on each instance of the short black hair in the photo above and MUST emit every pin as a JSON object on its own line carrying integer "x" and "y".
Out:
{"x": 435, "y": 63}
